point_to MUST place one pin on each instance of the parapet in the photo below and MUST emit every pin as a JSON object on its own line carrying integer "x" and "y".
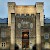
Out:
{"x": 11, "y": 3}
{"x": 39, "y": 3}
{"x": 25, "y": 15}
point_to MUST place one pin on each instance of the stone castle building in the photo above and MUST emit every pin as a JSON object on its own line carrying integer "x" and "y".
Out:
{"x": 25, "y": 28}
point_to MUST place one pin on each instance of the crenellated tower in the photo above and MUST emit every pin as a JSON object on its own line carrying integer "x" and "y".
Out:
{"x": 11, "y": 9}
{"x": 40, "y": 9}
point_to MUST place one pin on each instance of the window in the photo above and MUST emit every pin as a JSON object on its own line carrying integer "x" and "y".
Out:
{"x": 46, "y": 36}
{"x": 3, "y": 44}
{"x": 3, "y": 34}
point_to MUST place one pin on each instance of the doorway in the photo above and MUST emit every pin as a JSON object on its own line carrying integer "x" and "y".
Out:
{"x": 16, "y": 47}
{"x": 25, "y": 39}
{"x": 34, "y": 47}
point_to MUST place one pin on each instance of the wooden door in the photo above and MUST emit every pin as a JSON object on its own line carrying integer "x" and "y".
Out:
{"x": 25, "y": 39}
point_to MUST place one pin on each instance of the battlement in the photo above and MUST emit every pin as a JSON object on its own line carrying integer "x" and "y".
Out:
{"x": 25, "y": 10}
{"x": 25, "y": 15}
{"x": 40, "y": 3}
{"x": 10, "y": 3}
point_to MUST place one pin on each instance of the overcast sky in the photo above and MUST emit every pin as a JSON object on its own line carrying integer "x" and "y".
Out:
{"x": 4, "y": 7}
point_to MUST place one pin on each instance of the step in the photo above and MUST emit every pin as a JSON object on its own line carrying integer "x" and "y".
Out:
{"x": 26, "y": 49}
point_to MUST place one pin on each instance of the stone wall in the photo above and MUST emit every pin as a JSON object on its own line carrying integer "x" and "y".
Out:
{"x": 11, "y": 9}
{"x": 32, "y": 9}
{"x": 6, "y": 39}
{"x": 45, "y": 31}
{"x": 32, "y": 32}
{"x": 12, "y": 31}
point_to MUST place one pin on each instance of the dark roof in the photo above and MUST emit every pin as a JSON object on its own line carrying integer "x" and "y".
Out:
{"x": 47, "y": 20}
{"x": 5, "y": 20}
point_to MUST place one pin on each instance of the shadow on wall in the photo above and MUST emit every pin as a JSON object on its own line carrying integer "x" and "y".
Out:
{"x": 34, "y": 47}
{"x": 16, "y": 47}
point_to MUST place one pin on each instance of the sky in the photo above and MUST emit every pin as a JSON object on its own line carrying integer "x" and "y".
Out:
{"x": 4, "y": 7}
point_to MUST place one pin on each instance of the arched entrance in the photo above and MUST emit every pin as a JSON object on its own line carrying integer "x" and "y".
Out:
{"x": 25, "y": 39}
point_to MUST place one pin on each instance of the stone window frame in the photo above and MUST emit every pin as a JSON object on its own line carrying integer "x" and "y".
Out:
{"x": 3, "y": 44}
{"x": 46, "y": 36}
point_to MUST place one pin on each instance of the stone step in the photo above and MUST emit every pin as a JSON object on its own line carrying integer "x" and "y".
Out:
{"x": 26, "y": 49}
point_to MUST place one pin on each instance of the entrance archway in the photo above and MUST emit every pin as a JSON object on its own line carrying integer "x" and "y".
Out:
{"x": 25, "y": 39}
